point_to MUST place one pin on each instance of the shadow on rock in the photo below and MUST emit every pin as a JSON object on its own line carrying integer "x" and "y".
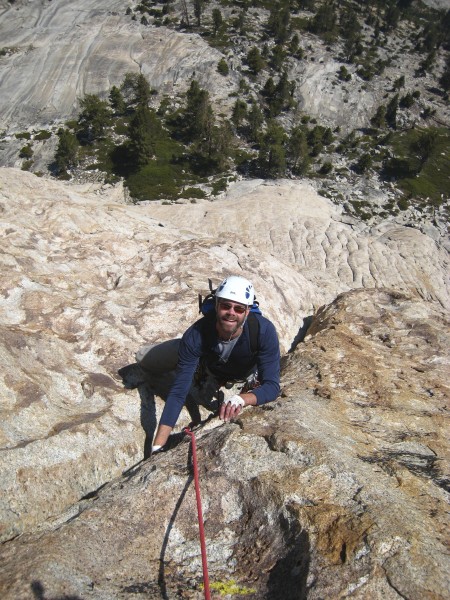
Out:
{"x": 150, "y": 587}
{"x": 148, "y": 385}
{"x": 287, "y": 580}
{"x": 302, "y": 332}
{"x": 39, "y": 593}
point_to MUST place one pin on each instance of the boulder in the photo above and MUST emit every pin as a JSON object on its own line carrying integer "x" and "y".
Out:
{"x": 86, "y": 279}
{"x": 338, "y": 489}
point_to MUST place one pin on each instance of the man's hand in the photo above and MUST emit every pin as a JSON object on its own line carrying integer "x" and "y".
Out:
{"x": 231, "y": 407}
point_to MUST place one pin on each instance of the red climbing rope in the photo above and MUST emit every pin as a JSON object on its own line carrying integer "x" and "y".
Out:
{"x": 200, "y": 514}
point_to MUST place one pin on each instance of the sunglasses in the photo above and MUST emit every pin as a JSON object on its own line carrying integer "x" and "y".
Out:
{"x": 238, "y": 308}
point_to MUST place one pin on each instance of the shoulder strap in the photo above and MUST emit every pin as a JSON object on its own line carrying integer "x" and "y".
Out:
{"x": 253, "y": 328}
{"x": 208, "y": 331}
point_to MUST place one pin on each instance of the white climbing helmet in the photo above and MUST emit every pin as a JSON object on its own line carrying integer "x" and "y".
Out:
{"x": 237, "y": 289}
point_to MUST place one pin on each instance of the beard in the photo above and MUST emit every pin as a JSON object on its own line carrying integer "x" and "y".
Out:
{"x": 228, "y": 324}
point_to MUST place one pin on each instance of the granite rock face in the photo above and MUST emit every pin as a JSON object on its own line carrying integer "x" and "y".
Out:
{"x": 61, "y": 52}
{"x": 336, "y": 490}
{"x": 57, "y": 52}
{"x": 87, "y": 279}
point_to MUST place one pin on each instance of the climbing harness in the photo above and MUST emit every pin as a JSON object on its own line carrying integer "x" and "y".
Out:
{"x": 191, "y": 434}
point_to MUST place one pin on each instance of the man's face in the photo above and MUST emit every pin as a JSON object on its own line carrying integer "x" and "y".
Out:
{"x": 230, "y": 316}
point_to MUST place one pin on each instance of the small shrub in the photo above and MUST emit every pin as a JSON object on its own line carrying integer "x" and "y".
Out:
{"x": 26, "y": 151}
{"x": 24, "y": 135}
{"x": 222, "y": 67}
{"x": 403, "y": 203}
{"x": 8, "y": 50}
{"x": 406, "y": 101}
{"x": 427, "y": 112}
{"x": 326, "y": 168}
{"x": 192, "y": 192}
{"x": 219, "y": 186}
{"x": 324, "y": 193}
{"x": 364, "y": 162}
{"x": 43, "y": 134}
{"x": 27, "y": 164}
{"x": 343, "y": 74}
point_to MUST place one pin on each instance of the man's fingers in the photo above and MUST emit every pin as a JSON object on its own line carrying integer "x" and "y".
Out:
{"x": 228, "y": 411}
{"x": 222, "y": 411}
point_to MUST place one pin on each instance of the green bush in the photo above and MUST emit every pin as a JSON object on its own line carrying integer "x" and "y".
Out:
{"x": 26, "y": 151}
{"x": 364, "y": 162}
{"x": 43, "y": 134}
{"x": 192, "y": 192}
{"x": 222, "y": 67}
{"x": 420, "y": 170}
{"x": 156, "y": 181}
{"x": 24, "y": 135}
{"x": 343, "y": 74}
{"x": 219, "y": 186}
{"x": 326, "y": 168}
{"x": 403, "y": 203}
{"x": 27, "y": 164}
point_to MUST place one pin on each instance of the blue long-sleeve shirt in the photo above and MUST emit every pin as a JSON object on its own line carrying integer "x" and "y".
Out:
{"x": 198, "y": 342}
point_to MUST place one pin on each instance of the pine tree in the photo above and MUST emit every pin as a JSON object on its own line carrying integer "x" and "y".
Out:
{"x": 391, "y": 112}
{"x": 391, "y": 17}
{"x": 143, "y": 91}
{"x": 298, "y": 151}
{"x": 67, "y": 150}
{"x": 239, "y": 113}
{"x": 255, "y": 120}
{"x": 221, "y": 146}
{"x": 278, "y": 23}
{"x": 379, "y": 118}
{"x": 272, "y": 156}
{"x": 198, "y": 115}
{"x": 364, "y": 162}
{"x": 445, "y": 77}
{"x": 316, "y": 139}
{"x": 325, "y": 20}
{"x": 141, "y": 131}
{"x": 425, "y": 145}
{"x": 117, "y": 102}
{"x": 222, "y": 67}
{"x": 136, "y": 89}
{"x": 284, "y": 90}
{"x": 255, "y": 61}
{"x": 241, "y": 24}
{"x": 217, "y": 20}
{"x": 198, "y": 10}
{"x": 277, "y": 58}
{"x": 94, "y": 117}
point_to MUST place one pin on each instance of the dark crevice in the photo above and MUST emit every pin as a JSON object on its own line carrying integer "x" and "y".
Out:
{"x": 395, "y": 588}
{"x": 343, "y": 553}
{"x": 418, "y": 464}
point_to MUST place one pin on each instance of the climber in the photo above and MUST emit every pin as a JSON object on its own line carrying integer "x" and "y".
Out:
{"x": 232, "y": 346}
